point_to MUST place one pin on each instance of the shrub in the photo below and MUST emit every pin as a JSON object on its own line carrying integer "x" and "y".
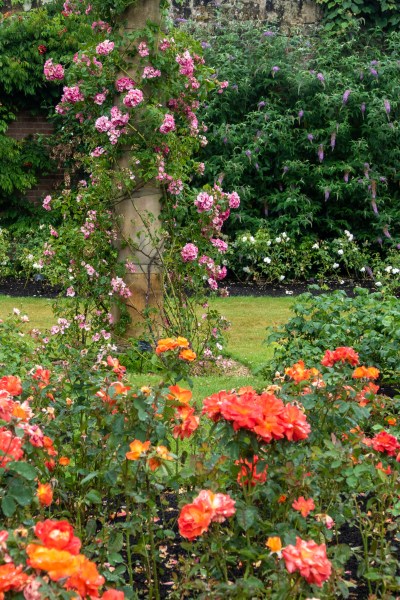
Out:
{"x": 370, "y": 322}
{"x": 306, "y": 131}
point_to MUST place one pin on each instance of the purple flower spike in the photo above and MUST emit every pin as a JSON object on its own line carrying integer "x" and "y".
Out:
{"x": 346, "y": 96}
{"x": 320, "y": 77}
{"x": 285, "y": 170}
{"x": 373, "y": 72}
{"x": 248, "y": 153}
{"x": 327, "y": 194}
{"x": 386, "y": 232}
{"x": 310, "y": 137}
{"x": 261, "y": 104}
{"x": 346, "y": 177}
{"x": 387, "y": 106}
{"x": 321, "y": 153}
{"x": 333, "y": 140}
{"x": 274, "y": 70}
{"x": 374, "y": 207}
{"x": 301, "y": 114}
{"x": 363, "y": 108}
{"x": 269, "y": 33}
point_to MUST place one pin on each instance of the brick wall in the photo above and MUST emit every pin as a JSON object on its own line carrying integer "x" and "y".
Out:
{"x": 27, "y": 125}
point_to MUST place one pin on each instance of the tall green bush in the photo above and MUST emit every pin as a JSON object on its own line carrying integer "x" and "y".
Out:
{"x": 307, "y": 130}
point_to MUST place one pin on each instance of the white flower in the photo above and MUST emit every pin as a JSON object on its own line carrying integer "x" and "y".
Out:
{"x": 269, "y": 243}
{"x": 16, "y": 311}
{"x": 335, "y": 265}
{"x": 30, "y": 257}
{"x": 244, "y": 239}
{"x": 341, "y": 281}
{"x": 289, "y": 292}
{"x": 395, "y": 271}
{"x": 219, "y": 346}
{"x": 284, "y": 235}
{"x": 340, "y": 252}
{"x": 362, "y": 269}
{"x": 378, "y": 283}
{"x": 281, "y": 278}
{"x": 252, "y": 239}
{"x": 388, "y": 269}
{"x": 278, "y": 240}
{"x": 315, "y": 246}
{"x": 246, "y": 270}
{"x": 37, "y": 266}
{"x": 267, "y": 260}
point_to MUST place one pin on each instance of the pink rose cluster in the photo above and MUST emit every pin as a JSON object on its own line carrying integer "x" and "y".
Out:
{"x": 168, "y": 124}
{"x": 150, "y": 73}
{"x": 189, "y": 253}
{"x": 53, "y": 72}
{"x": 119, "y": 287}
{"x": 143, "y": 49}
{"x": 72, "y": 95}
{"x": 104, "y": 48}
{"x": 133, "y": 98}
{"x": 114, "y": 125}
{"x": 124, "y": 84}
{"x": 204, "y": 202}
{"x": 175, "y": 186}
{"x": 46, "y": 203}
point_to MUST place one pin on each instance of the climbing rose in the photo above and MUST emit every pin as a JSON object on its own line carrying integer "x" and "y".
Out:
{"x": 124, "y": 83}
{"x": 105, "y": 47}
{"x": 309, "y": 559}
{"x": 234, "y": 200}
{"x": 204, "y": 202}
{"x": 133, "y": 98}
{"x": 53, "y": 72}
{"x": 150, "y": 73}
{"x": 189, "y": 253}
{"x": 168, "y": 124}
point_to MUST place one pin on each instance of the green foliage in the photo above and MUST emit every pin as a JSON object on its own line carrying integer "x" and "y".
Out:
{"x": 290, "y": 133}
{"x": 369, "y": 322}
{"x": 340, "y": 15}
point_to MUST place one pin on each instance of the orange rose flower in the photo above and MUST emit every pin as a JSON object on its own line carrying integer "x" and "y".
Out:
{"x": 189, "y": 424}
{"x": 194, "y": 520}
{"x": 212, "y": 405}
{"x": 304, "y": 506}
{"x": 274, "y": 544}
{"x": 42, "y": 376}
{"x": 137, "y": 449}
{"x": 12, "y": 578}
{"x": 166, "y": 344}
{"x": 342, "y": 354}
{"x": 10, "y": 447}
{"x": 295, "y": 423}
{"x": 58, "y": 535}
{"x": 45, "y": 494}
{"x": 187, "y": 354}
{"x": 113, "y": 595}
{"x": 180, "y": 394}
{"x": 162, "y": 454}
{"x": 11, "y": 384}
{"x": 58, "y": 563}
{"x": 365, "y": 373}
{"x": 86, "y": 579}
{"x": 249, "y": 474}
{"x": 64, "y": 461}
{"x": 309, "y": 559}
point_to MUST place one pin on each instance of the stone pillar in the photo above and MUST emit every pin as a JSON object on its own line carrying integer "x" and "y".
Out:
{"x": 138, "y": 214}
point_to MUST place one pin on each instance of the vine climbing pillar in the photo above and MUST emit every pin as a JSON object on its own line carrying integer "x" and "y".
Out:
{"x": 138, "y": 214}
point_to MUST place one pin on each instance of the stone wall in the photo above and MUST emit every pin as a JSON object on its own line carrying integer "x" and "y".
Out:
{"x": 285, "y": 13}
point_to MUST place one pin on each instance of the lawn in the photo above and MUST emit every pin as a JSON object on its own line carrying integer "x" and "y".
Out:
{"x": 249, "y": 318}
